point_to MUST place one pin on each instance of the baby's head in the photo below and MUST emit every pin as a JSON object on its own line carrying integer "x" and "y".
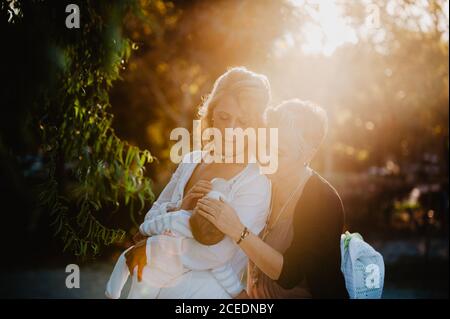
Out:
{"x": 204, "y": 231}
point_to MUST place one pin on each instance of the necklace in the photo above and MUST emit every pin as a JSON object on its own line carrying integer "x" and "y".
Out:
{"x": 268, "y": 227}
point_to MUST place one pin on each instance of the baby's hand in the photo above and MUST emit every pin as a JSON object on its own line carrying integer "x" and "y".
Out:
{"x": 168, "y": 232}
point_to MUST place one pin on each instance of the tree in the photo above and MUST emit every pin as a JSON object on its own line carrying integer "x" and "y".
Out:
{"x": 58, "y": 88}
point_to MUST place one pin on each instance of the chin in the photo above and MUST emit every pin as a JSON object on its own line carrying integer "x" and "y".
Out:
{"x": 235, "y": 151}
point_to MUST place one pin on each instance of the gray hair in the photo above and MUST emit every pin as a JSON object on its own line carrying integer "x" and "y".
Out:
{"x": 307, "y": 122}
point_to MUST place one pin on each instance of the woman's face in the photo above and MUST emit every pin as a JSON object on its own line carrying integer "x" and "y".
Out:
{"x": 228, "y": 114}
{"x": 289, "y": 155}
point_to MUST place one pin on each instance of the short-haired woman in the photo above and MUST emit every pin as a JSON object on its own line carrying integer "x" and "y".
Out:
{"x": 297, "y": 255}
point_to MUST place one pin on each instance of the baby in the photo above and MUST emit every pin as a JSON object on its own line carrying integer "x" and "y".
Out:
{"x": 164, "y": 266}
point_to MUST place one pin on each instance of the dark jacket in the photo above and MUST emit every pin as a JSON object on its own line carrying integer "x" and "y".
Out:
{"x": 315, "y": 254}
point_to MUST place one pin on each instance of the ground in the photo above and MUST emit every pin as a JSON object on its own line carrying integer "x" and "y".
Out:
{"x": 409, "y": 276}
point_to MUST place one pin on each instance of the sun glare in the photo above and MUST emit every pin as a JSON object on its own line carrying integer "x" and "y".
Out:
{"x": 328, "y": 29}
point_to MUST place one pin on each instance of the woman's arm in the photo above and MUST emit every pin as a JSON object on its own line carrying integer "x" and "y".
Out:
{"x": 268, "y": 259}
{"x": 224, "y": 217}
{"x": 314, "y": 252}
{"x": 160, "y": 206}
{"x": 251, "y": 204}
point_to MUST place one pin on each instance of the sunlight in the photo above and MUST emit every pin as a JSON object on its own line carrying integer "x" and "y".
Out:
{"x": 329, "y": 29}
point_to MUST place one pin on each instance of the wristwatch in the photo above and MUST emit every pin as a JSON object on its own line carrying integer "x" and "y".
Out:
{"x": 244, "y": 234}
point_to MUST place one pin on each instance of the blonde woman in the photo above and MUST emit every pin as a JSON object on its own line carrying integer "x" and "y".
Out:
{"x": 297, "y": 255}
{"x": 237, "y": 100}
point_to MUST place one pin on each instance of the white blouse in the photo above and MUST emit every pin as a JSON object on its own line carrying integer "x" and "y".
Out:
{"x": 249, "y": 195}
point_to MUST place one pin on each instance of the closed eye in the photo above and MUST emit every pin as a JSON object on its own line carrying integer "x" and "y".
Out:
{"x": 223, "y": 116}
{"x": 243, "y": 122}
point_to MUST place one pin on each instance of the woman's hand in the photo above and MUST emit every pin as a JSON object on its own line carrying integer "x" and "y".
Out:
{"x": 200, "y": 189}
{"x": 137, "y": 256}
{"x": 222, "y": 215}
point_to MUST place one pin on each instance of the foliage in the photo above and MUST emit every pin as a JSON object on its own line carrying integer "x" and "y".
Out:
{"x": 386, "y": 95}
{"x": 89, "y": 169}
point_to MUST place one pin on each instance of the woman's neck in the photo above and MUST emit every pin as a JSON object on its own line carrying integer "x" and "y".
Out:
{"x": 284, "y": 185}
{"x": 241, "y": 159}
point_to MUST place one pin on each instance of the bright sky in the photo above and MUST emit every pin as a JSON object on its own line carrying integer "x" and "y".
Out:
{"x": 329, "y": 29}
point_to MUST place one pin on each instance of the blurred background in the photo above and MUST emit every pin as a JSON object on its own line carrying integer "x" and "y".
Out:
{"x": 137, "y": 69}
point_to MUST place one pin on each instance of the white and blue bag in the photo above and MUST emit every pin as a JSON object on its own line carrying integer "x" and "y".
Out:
{"x": 362, "y": 266}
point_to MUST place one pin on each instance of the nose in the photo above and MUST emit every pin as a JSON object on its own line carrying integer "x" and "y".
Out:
{"x": 231, "y": 124}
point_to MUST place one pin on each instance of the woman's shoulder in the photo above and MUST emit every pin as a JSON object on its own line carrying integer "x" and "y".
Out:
{"x": 321, "y": 205}
{"x": 319, "y": 190}
{"x": 317, "y": 183}
{"x": 193, "y": 157}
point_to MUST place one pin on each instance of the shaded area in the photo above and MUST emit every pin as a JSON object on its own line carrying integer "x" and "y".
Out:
{"x": 407, "y": 277}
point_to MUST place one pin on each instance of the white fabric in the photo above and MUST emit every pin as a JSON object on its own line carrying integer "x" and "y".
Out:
{"x": 118, "y": 277}
{"x": 191, "y": 285}
{"x": 171, "y": 257}
{"x": 362, "y": 266}
{"x": 162, "y": 270}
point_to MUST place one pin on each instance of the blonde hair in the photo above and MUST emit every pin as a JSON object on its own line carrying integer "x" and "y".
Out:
{"x": 307, "y": 122}
{"x": 238, "y": 83}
